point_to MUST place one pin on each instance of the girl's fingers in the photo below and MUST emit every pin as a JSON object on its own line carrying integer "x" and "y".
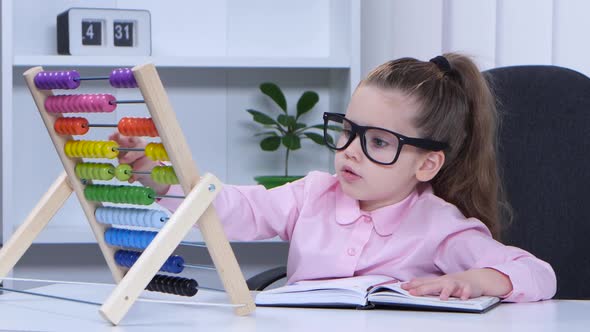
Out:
{"x": 126, "y": 158}
{"x": 417, "y": 282}
{"x": 427, "y": 289}
{"x": 446, "y": 292}
{"x": 465, "y": 293}
{"x": 130, "y": 157}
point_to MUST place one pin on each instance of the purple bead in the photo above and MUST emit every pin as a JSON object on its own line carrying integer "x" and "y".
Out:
{"x": 67, "y": 80}
{"x": 122, "y": 78}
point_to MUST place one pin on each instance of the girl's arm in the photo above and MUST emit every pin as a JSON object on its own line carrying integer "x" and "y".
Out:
{"x": 252, "y": 212}
{"x": 472, "y": 258}
{"x": 464, "y": 285}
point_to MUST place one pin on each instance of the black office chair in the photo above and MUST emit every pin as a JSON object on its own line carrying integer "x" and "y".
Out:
{"x": 266, "y": 278}
{"x": 545, "y": 160}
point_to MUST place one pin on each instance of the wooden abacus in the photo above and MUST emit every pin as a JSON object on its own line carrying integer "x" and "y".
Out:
{"x": 196, "y": 206}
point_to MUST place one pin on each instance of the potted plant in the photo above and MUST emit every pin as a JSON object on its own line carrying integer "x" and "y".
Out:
{"x": 286, "y": 130}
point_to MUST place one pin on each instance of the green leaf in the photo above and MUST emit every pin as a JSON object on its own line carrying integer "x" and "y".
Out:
{"x": 321, "y": 127}
{"x": 262, "y": 118}
{"x": 270, "y": 143}
{"x": 319, "y": 139}
{"x": 330, "y": 139}
{"x": 300, "y": 126}
{"x": 271, "y": 133}
{"x": 306, "y": 102}
{"x": 291, "y": 142}
{"x": 283, "y": 119}
{"x": 287, "y": 121}
{"x": 274, "y": 92}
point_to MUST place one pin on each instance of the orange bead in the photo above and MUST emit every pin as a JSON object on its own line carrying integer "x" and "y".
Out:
{"x": 137, "y": 127}
{"x": 71, "y": 126}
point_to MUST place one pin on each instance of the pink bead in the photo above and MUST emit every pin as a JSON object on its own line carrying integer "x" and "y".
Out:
{"x": 84, "y": 103}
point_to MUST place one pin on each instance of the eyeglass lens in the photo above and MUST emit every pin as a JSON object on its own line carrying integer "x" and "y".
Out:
{"x": 379, "y": 145}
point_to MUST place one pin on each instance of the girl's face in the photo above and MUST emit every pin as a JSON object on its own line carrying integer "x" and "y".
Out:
{"x": 376, "y": 185}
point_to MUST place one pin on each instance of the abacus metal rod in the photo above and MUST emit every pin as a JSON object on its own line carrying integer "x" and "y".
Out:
{"x": 129, "y": 149}
{"x": 101, "y": 125}
{"x": 49, "y": 296}
{"x": 91, "y": 78}
{"x": 139, "y": 300}
{"x": 170, "y": 196}
{"x": 86, "y": 283}
{"x": 193, "y": 244}
{"x": 137, "y": 101}
{"x": 199, "y": 266}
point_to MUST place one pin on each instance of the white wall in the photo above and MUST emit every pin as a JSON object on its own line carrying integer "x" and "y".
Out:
{"x": 495, "y": 32}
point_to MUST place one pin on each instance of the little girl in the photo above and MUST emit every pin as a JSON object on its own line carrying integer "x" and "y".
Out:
{"x": 416, "y": 193}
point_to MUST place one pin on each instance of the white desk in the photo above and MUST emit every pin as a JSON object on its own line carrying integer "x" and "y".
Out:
{"x": 20, "y": 312}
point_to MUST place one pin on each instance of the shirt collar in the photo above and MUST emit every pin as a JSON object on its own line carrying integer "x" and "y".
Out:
{"x": 385, "y": 219}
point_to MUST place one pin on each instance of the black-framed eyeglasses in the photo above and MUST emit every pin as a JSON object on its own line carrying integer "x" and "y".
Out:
{"x": 380, "y": 145}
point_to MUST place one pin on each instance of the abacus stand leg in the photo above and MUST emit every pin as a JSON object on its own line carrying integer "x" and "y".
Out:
{"x": 36, "y": 221}
{"x": 148, "y": 264}
{"x": 226, "y": 263}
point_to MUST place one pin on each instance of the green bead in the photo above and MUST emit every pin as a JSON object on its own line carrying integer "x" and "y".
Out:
{"x": 164, "y": 174}
{"x": 95, "y": 171}
{"x": 120, "y": 194}
{"x": 123, "y": 172}
{"x": 79, "y": 171}
{"x": 105, "y": 171}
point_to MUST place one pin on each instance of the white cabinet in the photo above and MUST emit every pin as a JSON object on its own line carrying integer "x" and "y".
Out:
{"x": 211, "y": 56}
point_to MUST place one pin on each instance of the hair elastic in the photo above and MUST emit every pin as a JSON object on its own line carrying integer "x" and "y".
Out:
{"x": 442, "y": 63}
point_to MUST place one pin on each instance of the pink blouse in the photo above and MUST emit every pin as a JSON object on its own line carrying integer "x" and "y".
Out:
{"x": 331, "y": 237}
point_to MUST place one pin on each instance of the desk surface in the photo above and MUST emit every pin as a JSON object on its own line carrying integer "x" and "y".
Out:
{"x": 20, "y": 312}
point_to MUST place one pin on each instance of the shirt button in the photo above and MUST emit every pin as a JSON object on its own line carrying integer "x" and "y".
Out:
{"x": 351, "y": 251}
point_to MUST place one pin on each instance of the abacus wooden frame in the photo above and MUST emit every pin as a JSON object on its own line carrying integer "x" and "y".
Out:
{"x": 199, "y": 192}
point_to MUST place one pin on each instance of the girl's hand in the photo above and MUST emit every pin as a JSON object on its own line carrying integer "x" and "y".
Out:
{"x": 128, "y": 157}
{"x": 138, "y": 161}
{"x": 463, "y": 285}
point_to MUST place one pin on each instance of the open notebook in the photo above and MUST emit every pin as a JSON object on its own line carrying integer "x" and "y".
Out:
{"x": 364, "y": 292}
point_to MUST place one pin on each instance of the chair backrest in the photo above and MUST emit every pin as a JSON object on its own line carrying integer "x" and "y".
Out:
{"x": 545, "y": 161}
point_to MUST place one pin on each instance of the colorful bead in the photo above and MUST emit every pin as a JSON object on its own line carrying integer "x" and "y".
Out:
{"x": 173, "y": 285}
{"x": 111, "y": 215}
{"x": 95, "y": 171}
{"x": 156, "y": 152}
{"x": 122, "y": 78}
{"x": 47, "y": 80}
{"x": 120, "y": 194}
{"x": 83, "y": 103}
{"x": 164, "y": 174}
{"x": 123, "y": 172}
{"x": 128, "y": 238}
{"x": 91, "y": 149}
{"x": 137, "y": 127}
{"x": 71, "y": 126}
{"x": 126, "y": 258}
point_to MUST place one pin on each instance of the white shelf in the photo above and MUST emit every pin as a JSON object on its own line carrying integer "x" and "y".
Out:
{"x": 211, "y": 68}
{"x": 183, "y": 61}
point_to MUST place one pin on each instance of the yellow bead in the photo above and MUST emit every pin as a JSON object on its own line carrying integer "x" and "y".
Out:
{"x": 68, "y": 149}
{"x": 97, "y": 147}
{"x": 111, "y": 149}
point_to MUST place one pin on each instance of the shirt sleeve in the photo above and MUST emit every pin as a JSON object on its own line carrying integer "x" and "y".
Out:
{"x": 252, "y": 212}
{"x": 473, "y": 247}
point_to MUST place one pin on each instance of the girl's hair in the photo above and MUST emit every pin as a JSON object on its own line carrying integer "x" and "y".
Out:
{"x": 456, "y": 107}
